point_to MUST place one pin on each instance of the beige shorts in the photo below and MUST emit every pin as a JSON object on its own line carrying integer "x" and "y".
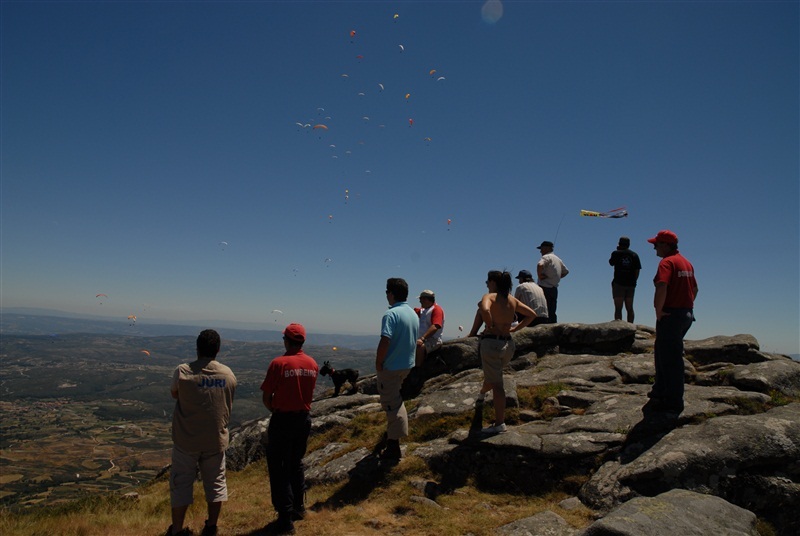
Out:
{"x": 389, "y": 384}
{"x": 184, "y": 470}
{"x": 495, "y": 355}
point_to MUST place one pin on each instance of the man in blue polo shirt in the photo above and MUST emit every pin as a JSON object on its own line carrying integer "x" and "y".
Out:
{"x": 393, "y": 361}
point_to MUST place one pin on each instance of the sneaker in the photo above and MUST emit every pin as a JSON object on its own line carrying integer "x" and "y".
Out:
{"x": 496, "y": 429}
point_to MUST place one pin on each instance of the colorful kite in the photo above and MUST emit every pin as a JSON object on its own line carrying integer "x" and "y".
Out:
{"x": 615, "y": 213}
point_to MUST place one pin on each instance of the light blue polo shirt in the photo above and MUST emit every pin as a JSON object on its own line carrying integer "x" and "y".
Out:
{"x": 401, "y": 325}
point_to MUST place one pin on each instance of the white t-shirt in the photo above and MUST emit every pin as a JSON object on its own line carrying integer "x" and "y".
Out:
{"x": 552, "y": 267}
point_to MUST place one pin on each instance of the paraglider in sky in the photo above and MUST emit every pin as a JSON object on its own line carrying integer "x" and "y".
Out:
{"x": 380, "y": 86}
{"x": 352, "y": 35}
{"x": 100, "y": 297}
{"x": 449, "y": 221}
{"x": 145, "y": 352}
{"x": 360, "y": 57}
{"x": 410, "y": 122}
{"x": 408, "y": 96}
{"x": 346, "y": 196}
{"x": 426, "y": 140}
{"x": 330, "y": 218}
{"x": 223, "y": 245}
{"x": 615, "y": 213}
{"x": 345, "y": 76}
{"x": 132, "y": 320}
{"x": 276, "y": 312}
{"x": 440, "y": 78}
{"x": 460, "y": 328}
{"x": 334, "y": 348}
{"x": 396, "y": 16}
{"x": 432, "y": 72}
{"x": 320, "y": 127}
{"x": 402, "y": 48}
{"x": 328, "y": 261}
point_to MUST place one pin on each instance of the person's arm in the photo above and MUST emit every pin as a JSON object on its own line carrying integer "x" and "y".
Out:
{"x": 564, "y": 271}
{"x": 528, "y": 315}
{"x": 485, "y": 310}
{"x": 173, "y": 387}
{"x": 636, "y": 275}
{"x": 540, "y": 271}
{"x": 428, "y": 333}
{"x": 476, "y": 324}
{"x": 266, "y": 398}
{"x": 659, "y": 299}
{"x": 380, "y": 354}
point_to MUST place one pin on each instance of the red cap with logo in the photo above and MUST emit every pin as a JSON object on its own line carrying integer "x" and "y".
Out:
{"x": 295, "y": 332}
{"x": 665, "y": 236}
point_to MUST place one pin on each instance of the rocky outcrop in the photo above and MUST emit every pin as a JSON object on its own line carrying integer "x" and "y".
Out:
{"x": 733, "y": 454}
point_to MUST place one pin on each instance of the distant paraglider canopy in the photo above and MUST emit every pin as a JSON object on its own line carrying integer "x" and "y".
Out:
{"x": 145, "y": 352}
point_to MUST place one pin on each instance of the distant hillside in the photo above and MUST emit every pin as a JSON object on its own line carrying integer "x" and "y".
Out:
{"x": 39, "y": 322}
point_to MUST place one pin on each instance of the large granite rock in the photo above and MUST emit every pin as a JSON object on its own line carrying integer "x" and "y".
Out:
{"x": 676, "y": 512}
{"x": 734, "y": 448}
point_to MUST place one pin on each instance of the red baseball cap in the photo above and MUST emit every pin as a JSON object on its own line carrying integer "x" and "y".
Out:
{"x": 665, "y": 236}
{"x": 295, "y": 332}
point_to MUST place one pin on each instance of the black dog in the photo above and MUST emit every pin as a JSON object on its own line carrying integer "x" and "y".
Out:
{"x": 339, "y": 377}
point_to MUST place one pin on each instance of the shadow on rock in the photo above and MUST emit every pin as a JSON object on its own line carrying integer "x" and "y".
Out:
{"x": 369, "y": 473}
{"x": 646, "y": 433}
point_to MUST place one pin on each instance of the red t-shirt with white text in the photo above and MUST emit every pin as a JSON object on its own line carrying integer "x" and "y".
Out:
{"x": 291, "y": 380}
{"x": 678, "y": 273}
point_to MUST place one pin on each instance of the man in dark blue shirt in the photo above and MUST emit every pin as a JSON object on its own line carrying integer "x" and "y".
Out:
{"x": 626, "y": 272}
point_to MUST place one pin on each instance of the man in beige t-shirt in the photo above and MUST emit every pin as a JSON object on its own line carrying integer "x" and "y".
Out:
{"x": 203, "y": 390}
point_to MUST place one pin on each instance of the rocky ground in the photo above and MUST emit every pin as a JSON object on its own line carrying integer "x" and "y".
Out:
{"x": 732, "y": 456}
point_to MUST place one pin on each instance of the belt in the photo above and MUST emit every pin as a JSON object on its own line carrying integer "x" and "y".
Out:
{"x": 497, "y": 337}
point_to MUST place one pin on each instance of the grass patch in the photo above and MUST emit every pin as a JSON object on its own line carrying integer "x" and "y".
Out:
{"x": 533, "y": 397}
{"x": 780, "y": 399}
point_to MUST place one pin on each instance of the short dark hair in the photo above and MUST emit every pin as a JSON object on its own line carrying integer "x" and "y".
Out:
{"x": 398, "y": 287}
{"x": 502, "y": 280}
{"x": 208, "y": 343}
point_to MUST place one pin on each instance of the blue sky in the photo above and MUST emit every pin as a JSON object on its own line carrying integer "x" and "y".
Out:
{"x": 138, "y": 136}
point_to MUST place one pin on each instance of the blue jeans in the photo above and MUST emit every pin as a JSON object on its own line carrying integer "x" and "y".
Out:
{"x": 287, "y": 442}
{"x": 670, "y": 331}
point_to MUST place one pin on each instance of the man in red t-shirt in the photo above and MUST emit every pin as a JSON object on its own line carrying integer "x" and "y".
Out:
{"x": 288, "y": 390}
{"x": 676, "y": 289}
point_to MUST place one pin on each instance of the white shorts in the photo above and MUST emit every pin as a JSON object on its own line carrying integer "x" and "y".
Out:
{"x": 184, "y": 470}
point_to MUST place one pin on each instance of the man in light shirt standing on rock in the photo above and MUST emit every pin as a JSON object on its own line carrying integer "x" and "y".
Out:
{"x": 550, "y": 270}
{"x": 203, "y": 390}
